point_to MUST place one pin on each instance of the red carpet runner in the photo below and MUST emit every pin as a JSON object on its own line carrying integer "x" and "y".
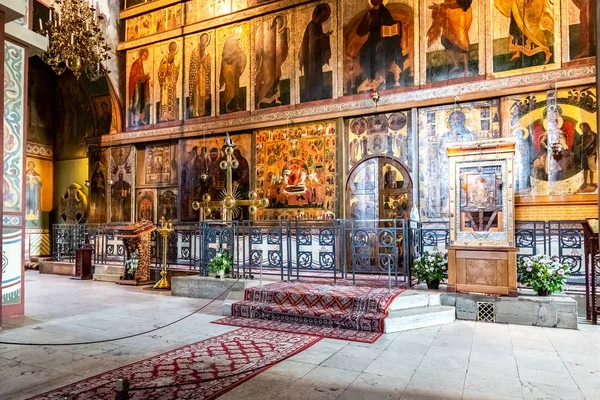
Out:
{"x": 339, "y": 312}
{"x": 223, "y": 362}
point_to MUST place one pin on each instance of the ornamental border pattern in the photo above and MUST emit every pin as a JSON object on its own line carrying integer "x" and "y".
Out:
{"x": 39, "y": 150}
{"x": 477, "y": 90}
{"x": 13, "y": 126}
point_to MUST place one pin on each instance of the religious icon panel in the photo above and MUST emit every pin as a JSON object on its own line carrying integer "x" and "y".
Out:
{"x": 578, "y": 19}
{"x": 146, "y": 205}
{"x": 202, "y": 174}
{"x": 523, "y": 35}
{"x": 453, "y": 39}
{"x": 316, "y": 64}
{"x": 380, "y": 38}
{"x": 158, "y": 21}
{"x": 98, "y": 166}
{"x": 439, "y": 127}
{"x": 199, "y": 74}
{"x": 296, "y": 169}
{"x": 273, "y": 61}
{"x": 168, "y": 70}
{"x": 122, "y": 175}
{"x": 158, "y": 164}
{"x": 167, "y": 205}
{"x": 140, "y": 79}
{"x": 233, "y": 66}
{"x": 379, "y": 135}
{"x": 105, "y": 123}
{"x": 556, "y": 135}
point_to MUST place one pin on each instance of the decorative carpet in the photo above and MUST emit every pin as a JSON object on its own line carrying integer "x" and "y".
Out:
{"x": 339, "y": 312}
{"x": 200, "y": 371}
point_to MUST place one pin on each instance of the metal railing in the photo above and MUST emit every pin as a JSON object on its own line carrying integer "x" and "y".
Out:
{"x": 320, "y": 249}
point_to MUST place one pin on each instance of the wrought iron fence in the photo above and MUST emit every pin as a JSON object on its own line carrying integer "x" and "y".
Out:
{"x": 321, "y": 249}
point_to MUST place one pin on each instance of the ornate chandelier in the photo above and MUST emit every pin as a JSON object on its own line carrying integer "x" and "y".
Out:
{"x": 74, "y": 39}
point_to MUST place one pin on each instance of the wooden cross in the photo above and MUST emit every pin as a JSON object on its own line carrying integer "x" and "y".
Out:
{"x": 229, "y": 202}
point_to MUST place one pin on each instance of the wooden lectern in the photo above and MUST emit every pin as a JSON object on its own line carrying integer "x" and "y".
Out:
{"x": 482, "y": 257}
{"x": 137, "y": 237}
{"x": 592, "y": 271}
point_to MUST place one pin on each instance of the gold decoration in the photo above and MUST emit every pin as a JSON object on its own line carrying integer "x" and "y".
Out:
{"x": 74, "y": 39}
{"x": 165, "y": 230}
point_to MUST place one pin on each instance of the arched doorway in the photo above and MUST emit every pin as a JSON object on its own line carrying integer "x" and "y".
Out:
{"x": 379, "y": 188}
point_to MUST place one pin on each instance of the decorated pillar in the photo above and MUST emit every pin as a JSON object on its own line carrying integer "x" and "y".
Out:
{"x": 18, "y": 42}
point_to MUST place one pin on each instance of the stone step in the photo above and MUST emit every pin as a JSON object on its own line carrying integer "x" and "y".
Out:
{"x": 232, "y": 297}
{"x": 107, "y": 277}
{"x": 415, "y": 299}
{"x": 421, "y": 317}
{"x": 109, "y": 269}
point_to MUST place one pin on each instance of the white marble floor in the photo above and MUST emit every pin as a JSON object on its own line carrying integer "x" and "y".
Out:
{"x": 464, "y": 360}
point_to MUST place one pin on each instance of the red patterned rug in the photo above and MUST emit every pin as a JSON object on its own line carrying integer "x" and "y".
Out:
{"x": 339, "y": 312}
{"x": 220, "y": 363}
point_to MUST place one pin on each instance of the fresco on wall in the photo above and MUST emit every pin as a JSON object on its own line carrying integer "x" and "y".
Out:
{"x": 98, "y": 186}
{"x": 154, "y": 22}
{"x": 556, "y": 136}
{"x": 439, "y": 127}
{"x": 579, "y": 21}
{"x": 316, "y": 77}
{"x": 272, "y": 64}
{"x": 199, "y": 74}
{"x": 146, "y": 205}
{"x": 38, "y": 192}
{"x": 524, "y": 34}
{"x": 200, "y": 172}
{"x": 295, "y": 170}
{"x": 379, "y": 44}
{"x": 167, "y": 205}
{"x": 379, "y": 135}
{"x": 122, "y": 175}
{"x": 75, "y": 119}
{"x": 233, "y": 49}
{"x": 454, "y": 38}
{"x": 40, "y": 117}
{"x": 168, "y": 70}
{"x": 140, "y": 72}
{"x": 158, "y": 164}
{"x": 105, "y": 123}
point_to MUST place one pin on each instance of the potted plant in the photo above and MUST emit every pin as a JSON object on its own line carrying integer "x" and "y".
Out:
{"x": 543, "y": 274}
{"x": 221, "y": 263}
{"x": 431, "y": 268}
{"x": 131, "y": 265}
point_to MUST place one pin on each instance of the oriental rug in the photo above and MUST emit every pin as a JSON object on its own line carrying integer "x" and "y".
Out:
{"x": 200, "y": 371}
{"x": 339, "y": 312}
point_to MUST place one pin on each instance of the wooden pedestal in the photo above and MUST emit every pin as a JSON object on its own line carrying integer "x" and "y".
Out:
{"x": 491, "y": 270}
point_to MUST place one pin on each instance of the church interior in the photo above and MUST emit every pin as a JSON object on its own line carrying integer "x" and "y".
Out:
{"x": 293, "y": 199}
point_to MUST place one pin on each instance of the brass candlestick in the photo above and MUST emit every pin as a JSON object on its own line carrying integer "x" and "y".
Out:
{"x": 164, "y": 230}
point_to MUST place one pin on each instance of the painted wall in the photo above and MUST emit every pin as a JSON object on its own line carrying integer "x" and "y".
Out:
{"x": 65, "y": 173}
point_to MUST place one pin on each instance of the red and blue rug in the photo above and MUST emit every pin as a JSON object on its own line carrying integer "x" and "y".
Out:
{"x": 200, "y": 371}
{"x": 338, "y": 312}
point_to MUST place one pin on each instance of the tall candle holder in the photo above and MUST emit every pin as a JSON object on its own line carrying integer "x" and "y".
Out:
{"x": 165, "y": 229}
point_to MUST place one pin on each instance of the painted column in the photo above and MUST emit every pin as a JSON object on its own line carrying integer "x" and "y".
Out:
{"x": 13, "y": 224}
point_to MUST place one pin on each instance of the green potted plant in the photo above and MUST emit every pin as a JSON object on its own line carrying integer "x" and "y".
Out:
{"x": 221, "y": 263}
{"x": 543, "y": 274}
{"x": 431, "y": 268}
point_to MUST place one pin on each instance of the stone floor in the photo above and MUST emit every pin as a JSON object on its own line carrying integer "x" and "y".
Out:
{"x": 464, "y": 360}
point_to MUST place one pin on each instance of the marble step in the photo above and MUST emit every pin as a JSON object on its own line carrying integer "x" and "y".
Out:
{"x": 109, "y": 269}
{"x": 107, "y": 277}
{"x": 421, "y": 317}
{"x": 415, "y": 299}
{"x": 232, "y": 297}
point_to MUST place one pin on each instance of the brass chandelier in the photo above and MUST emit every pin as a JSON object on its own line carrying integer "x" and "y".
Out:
{"x": 74, "y": 39}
